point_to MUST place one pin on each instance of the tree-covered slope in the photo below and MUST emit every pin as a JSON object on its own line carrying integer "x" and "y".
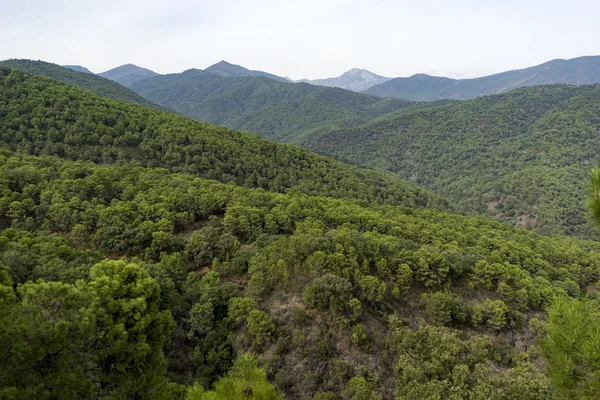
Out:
{"x": 276, "y": 110}
{"x": 334, "y": 298}
{"x": 92, "y": 82}
{"x": 128, "y": 74}
{"x": 577, "y": 71}
{"x": 42, "y": 116}
{"x": 521, "y": 156}
{"x": 143, "y": 255}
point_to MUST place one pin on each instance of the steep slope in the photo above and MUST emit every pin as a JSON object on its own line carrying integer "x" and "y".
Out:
{"x": 145, "y": 277}
{"x": 356, "y": 80}
{"x": 223, "y": 68}
{"x": 78, "y": 68}
{"x": 577, "y": 71}
{"x": 522, "y": 156}
{"x": 91, "y": 82}
{"x": 128, "y": 74}
{"x": 276, "y": 110}
{"x": 101, "y": 130}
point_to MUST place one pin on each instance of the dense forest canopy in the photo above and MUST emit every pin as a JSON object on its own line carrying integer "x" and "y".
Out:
{"x": 43, "y": 117}
{"x": 324, "y": 283}
{"x": 522, "y": 157}
{"x": 147, "y": 256}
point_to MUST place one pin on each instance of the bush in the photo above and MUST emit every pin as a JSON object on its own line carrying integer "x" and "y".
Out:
{"x": 328, "y": 292}
{"x": 444, "y": 308}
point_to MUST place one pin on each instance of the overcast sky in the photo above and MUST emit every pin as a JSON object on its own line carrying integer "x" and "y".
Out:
{"x": 302, "y": 38}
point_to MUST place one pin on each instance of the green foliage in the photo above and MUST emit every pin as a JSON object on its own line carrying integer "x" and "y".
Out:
{"x": 329, "y": 252}
{"x": 360, "y": 389}
{"x": 329, "y": 292}
{"x": 103, "y": 338}
{"x": 593, "y": 188}
{"x": 245, "y": 381}
{"x": 491, "y": 312}
{"x": 44, "y": 342}
{"x": 435, "y": 363}
{"x": 571, "y": 347}
{"x": 521, "y": 157}
{"x": 371, "y": 289}
{"x": 444, "y": 308}
{"x": 133, "y": 330}
{"x": 260, "y": 326}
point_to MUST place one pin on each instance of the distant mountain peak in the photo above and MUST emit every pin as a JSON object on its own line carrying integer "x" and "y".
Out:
{"x": 78, "y": 68}
{"x": 128, "y": 74}
{"x": 355, "y": 71}
{"x": 355, "y": 79}
{"x": 229, "y": 70}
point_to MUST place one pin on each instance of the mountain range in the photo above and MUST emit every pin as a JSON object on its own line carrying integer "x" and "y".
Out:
{"x": 421, "y": 87}
{"x": 275, "y": 109}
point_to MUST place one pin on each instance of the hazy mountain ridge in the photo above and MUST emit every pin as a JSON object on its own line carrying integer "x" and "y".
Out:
{"x": 356, "y": 80}
{"x": 78, "y": 68}
{"x": 128, "y": 74}
{"x": 420, "y": 87}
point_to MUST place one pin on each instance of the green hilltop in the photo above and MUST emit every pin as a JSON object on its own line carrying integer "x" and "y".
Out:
{"x": 89, "y": 81}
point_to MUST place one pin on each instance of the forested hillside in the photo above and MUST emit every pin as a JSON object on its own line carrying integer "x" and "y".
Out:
{"x": 307, "y": 283}
{"x": 421, "y": 87}
{"x": 522, "y": 157}
{"x": 144, "y": 256}
{"x": 281, "y": 111}
{"x": 43, "y": 117}
{"x": 89, "y": 81}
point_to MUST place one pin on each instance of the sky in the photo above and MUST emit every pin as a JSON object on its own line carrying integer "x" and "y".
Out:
{"x": 302, "y": 38}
